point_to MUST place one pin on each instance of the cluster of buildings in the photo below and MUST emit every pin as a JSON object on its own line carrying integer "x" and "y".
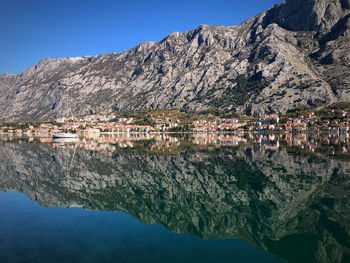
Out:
{"x": 111, "y": 124}
{"x": 87, "y": 124}
{"x": 217, "y": 125}
{"x": 333, "y": 121}
{"x": 101, "y": 123}
{"x": 336, "y": 121}
{"x": 43, "y": 130}
{"x": 298, "y": 124}
{"x": 162, "y": 122}
{"x": 93, "y": 118}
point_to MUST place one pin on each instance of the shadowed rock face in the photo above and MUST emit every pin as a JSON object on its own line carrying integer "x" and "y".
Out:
{"x": 279, "y": 202}
{"x": 295, "y": 54}
{"x": 309, "y": 15}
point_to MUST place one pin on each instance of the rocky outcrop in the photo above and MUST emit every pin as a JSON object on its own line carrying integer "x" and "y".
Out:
{"x": 308, "y": 15}
{"x": 293, "y": 55}
{"x": 274, "y": 200}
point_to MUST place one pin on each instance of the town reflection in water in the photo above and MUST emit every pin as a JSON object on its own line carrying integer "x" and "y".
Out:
{"x": 286, "y": 194}
{"x": 326, "y": 143}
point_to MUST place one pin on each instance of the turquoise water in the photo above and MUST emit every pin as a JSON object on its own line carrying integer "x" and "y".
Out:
{"x": 175, "y": 200}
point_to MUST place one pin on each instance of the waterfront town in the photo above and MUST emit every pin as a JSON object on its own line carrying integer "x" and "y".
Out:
{"x": 331, "y": 120}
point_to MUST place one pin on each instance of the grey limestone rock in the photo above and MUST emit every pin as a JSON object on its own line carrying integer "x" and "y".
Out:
{"x": 293, "y": 55}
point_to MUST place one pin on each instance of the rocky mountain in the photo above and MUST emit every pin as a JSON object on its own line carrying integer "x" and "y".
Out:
{"x": 295, "y": 54}
{"x": 274, "y": 200}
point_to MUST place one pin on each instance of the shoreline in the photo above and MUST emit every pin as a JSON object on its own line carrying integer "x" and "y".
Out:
{"x": 5, "y": 134}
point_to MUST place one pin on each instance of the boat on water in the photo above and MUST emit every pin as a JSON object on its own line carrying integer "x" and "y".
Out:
{"x": 65, "y": 135}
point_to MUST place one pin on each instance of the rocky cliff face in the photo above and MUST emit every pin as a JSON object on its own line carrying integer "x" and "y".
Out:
{"x": 309, "y": 15}
{"x": 277, "y": 201}
{"x": 295, "y": 54}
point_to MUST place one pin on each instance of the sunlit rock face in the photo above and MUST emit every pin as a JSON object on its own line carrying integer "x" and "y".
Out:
{"x": 275, "y": 200}
{"x": 295, "y": 54}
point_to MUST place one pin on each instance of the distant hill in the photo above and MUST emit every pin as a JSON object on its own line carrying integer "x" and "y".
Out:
{"x": 295, "y": 54}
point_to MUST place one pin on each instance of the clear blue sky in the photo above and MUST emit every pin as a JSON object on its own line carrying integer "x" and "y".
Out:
{"x": 33, "y": 29}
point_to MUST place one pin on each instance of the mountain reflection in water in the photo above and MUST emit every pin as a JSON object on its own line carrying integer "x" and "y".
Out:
{"x": 288, "y": 195}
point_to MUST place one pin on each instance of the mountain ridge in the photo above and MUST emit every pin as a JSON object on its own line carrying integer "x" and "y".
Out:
{"x": 279, "y": 60}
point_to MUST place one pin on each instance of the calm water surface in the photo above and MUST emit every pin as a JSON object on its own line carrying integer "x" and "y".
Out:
{"x": 157, "y": 198}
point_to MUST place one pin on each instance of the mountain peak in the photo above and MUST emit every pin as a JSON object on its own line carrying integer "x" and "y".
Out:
{"x": 270, "y": 63}
{"x": 307, "y": 15}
